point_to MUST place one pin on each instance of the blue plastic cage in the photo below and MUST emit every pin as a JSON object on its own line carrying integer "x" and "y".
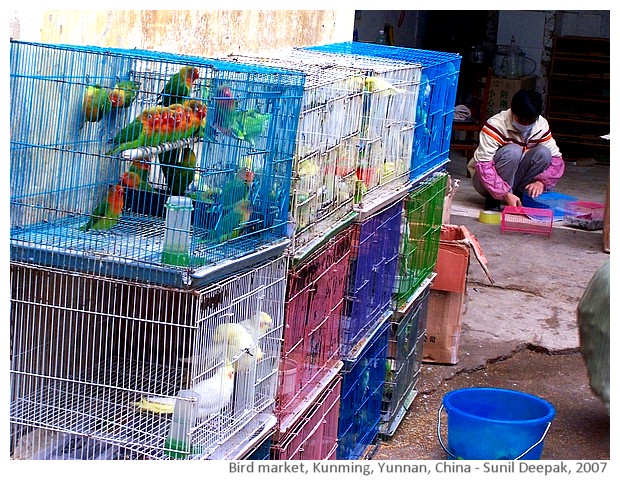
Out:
{"x": 91, "y": 125}
{"x": 374, "y": 259}
{"x": 435, "y": 107}
{"x": 363, "y": 380}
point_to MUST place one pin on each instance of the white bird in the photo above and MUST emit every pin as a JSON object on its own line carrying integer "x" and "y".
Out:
{"x": 261, "y": 322}
{"x": 238, "y": 344}
{"x": 213, "y": 394}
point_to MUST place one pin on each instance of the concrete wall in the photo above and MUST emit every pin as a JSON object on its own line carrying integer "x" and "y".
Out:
{"x": 192, "y": 32}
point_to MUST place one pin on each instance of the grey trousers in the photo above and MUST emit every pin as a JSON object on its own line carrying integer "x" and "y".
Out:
{"x": 516, "y": 170}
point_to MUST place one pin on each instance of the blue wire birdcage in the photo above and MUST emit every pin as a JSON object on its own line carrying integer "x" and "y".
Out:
{"x": 435, "y": 106}
{"x": 103, "y": 140}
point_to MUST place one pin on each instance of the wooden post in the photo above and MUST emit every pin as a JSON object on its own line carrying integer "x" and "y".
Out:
{"x": 606, "y": 222}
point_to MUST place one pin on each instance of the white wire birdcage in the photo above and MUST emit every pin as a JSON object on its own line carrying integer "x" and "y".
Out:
{"x": 99, "y": 364}
{"x": 325, "y": 160}
{"x": 388, "y": 115}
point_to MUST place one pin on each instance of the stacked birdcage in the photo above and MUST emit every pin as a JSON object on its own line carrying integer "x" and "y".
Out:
{"x": 311, "y": 344}
{"x": 325, "y": 160}
{"x": 142, "y": 371}
{"x": 419, "y": 241}
{"x": 315, "y": 435}
{"x": 404, "y": 360}
{"x": 374, "y": 261}
{"x": 362, "y": 391}
{"x": 107, "y": 142}
{"x": 435, "y": 103}
{"x": 388, "y": 115}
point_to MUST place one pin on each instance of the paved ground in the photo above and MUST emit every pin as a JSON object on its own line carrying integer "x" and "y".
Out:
{"x": 521, "y": 332}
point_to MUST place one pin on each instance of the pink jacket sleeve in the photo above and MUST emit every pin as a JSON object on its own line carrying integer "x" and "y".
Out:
{"x": 494, "y": 184}
{"x": 553, "y": 173}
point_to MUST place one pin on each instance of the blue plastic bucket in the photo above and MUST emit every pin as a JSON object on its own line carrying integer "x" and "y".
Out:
{"x": 495, "y": 424}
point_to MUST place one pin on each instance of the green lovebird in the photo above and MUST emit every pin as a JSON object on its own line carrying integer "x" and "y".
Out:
{"x": 106, "y": 214}
{"x": 124, "y": 93}
{"x": 179, "y": 86}
{"x": 232, "y": 221}
{"x": 96, "y": 103}
{"x": 178, "y": 168}
{"x": 252, "y": 124}
{"x": 238, "y": 188}
{"x": 164, "y": 124}
{"x": 137, "y": 176}
{"x": 226, "y": 117}
{"x": 130, "y": 133}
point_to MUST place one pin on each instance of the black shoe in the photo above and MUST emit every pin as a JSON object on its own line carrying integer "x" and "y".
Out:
{"x": 491, "y": 204}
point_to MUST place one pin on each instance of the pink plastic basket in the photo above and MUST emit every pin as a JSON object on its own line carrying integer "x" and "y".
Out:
{"x": 584, "y": 215}
{"x": 527, "y": 220}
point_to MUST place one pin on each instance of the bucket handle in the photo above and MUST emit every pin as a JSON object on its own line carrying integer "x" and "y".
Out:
{"x": 454, "y": 456}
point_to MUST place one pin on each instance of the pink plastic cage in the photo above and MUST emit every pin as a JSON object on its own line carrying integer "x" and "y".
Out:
{"x": 313, "y": 308}
{"x": 315, "y": 435}
{"x": 527, "y": 220}
{"x": 584, "y": 215}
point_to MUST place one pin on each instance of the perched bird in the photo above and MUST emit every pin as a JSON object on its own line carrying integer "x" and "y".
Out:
{"x": 179, "y": 86}
{"x": 232, "y": 221}
{"x": 162, "y": 124}
{"x": 178, "y": 167}
{"x": 235, "y": 342}
{"x": 238, "y": 188}
{"x": 381, "y": 86}
{"x": 96, "y": 103}
{"x": 252, "y": 124}
{"x": 258, "y": 324}
{"x": 213, "y": 393}
{"x": 225, "y": 119}
{"x": 137, "y": 176}
{"x": 123, "y": 93}
{"x": 107, "y": 213}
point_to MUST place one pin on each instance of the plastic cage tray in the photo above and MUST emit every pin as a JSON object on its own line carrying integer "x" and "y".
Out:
{"x": 527, "y": 220}
{"x": 549, "y": 200}
{"x": 584, "y": 215}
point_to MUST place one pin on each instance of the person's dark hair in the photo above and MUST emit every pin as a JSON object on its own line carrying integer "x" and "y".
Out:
{"x": 527, "y": 105}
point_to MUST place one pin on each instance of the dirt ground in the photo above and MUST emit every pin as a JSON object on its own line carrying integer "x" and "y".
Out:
{"x": 579, "y": 431}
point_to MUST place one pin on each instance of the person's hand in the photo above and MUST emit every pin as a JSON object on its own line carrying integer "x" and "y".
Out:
{"x": 512, "y": 200}
{"x": 535, "y": 188}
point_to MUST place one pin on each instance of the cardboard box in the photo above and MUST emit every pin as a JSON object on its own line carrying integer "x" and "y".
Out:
{"x": 502, "y": 90}
{"x": 448, "y": 293}
{"x": 443, "y": 327}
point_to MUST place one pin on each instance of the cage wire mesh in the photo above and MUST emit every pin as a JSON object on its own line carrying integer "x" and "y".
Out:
{"x": 435, "y": 103}
{"x": 311, "y": 344}
{"x": 374, "y": 260}
{"x": 325, "y": 160}
{"x": 419, "y": 239}
{"x": 100, "y": 365}
{"x": 363, "y": 380}
{"x": 404, "y": 362}
{"x": 315, "y": 434}
{"x": 93, "y": 177}
{"x": 388, "y": 115}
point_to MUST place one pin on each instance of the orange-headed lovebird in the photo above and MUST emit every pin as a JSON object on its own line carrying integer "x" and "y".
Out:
{"x": 161, "y": 124}
{"x": 179, "y": 86}
{"x": 123, "y": 93}
{"x": 178, "y": 167}
{"x": 107, "y": 213}
{"x": 137, "y": 176}
{"x": 96, "y": 103}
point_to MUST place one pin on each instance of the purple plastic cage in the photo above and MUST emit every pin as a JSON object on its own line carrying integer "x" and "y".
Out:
{"x": 374, "y": 259}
